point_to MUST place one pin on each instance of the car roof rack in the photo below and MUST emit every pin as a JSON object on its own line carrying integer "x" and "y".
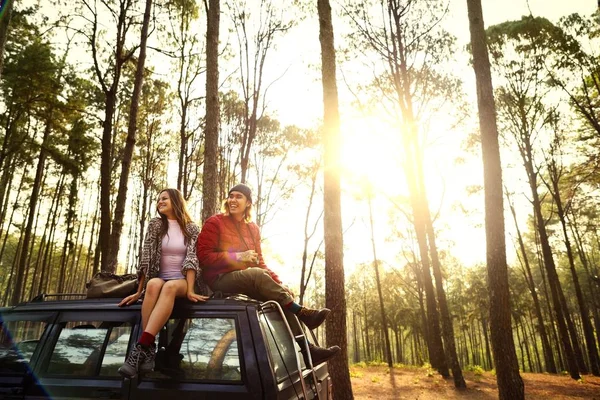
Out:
{"x": 42, "y": 296}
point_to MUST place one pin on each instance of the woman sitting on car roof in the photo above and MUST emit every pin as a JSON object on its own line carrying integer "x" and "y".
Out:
{"x": 168, "y": 269}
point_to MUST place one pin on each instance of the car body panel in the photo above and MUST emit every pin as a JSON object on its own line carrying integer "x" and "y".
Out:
{"x": 76, "y": 355}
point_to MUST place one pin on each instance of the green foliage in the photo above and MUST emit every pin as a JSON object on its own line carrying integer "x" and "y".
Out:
{"x": 529, "y": 34}
{"x": 376, "y": 363}
{"x": 356, "y": 374}
{"x": 37, "y": 84}
{"x": 476, "y": 369}
{"x": 76, "y": 273}
{"x": 408, "y": 52}
{"x": 430, "y": 372}
{"x": 401, "y": 365}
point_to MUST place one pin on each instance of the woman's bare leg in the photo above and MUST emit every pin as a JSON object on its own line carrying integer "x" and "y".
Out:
{"x": 153, "y": 289}
{"x": 164, "y": 306}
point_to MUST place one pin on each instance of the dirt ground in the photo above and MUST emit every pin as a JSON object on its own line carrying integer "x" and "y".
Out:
{"x": 376, "y": 382}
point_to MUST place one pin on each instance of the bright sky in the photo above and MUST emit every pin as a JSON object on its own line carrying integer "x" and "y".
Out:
{"x": 376, "y": 156}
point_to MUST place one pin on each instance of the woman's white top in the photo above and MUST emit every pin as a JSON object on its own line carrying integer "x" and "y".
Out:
{"x": 173, "y": 253}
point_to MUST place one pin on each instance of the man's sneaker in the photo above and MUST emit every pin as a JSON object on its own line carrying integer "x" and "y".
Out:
{"x": 319, "y": 355}
{"x": 140, "y": 360}
{"x": 313, "y": 318}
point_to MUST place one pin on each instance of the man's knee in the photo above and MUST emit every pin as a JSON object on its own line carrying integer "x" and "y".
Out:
{"x": 260, "y": 276}
{"x": 256, "y": 273}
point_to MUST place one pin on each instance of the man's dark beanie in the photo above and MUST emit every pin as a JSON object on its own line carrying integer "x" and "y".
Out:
{"x": 243, "y": 189}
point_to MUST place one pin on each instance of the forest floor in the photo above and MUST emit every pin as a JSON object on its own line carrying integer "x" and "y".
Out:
{"x": 376, "y": 382}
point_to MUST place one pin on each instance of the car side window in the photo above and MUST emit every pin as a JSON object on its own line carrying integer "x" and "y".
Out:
{"x": 198, "y": 349}
{"x": 116, "y": 350}
{"x": 90, "y": 348}
{"x": 18, "y": 341}
{"x": 282, "y": 348}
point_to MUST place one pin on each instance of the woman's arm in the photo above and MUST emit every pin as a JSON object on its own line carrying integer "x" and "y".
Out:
{"x": 190, "y": 279}
{"x": 148, "y": 246}
{"x": 133, "y": 298}
{"x": 145, "y": 258}
{"x": 191, "y": 259}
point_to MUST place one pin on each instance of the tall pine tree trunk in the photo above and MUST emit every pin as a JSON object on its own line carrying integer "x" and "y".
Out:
{"x": 567, "y": 335}
{"x": 117, "y": 223}
{"x": 30, "y": 256}
{"x": 418, "y": 197}
{"x": 6, "y": 180}
{"x": 211, "y": 135}
{"x": 68, "y": 242}
{"x": 106, "y": 182}
{"x": 45, "y": 243}
{"x": 335, "y": 297}
{"x": 588, "y": 330}
{"x": 355, "y": 331}
{"x": 548, "y": 356}
{"x": 13, "y": 267}
{"x": 366, "y": 330}
{"x": 447, "y": 325}
{"x": 534, "y": 343}
{"x": 488, "y": 353}
{"x": 103, "y": 255}
{"x": 592, "y": 286}
{"x": 33, "y": 200}
{"x": 510, "y": 384}
{"x": 384, "y": 324}
{"x": 434, "y": 337}
{"x": 6, "y": 232}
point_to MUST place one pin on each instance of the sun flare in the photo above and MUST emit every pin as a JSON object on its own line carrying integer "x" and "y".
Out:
{"x": 370, "y": 155}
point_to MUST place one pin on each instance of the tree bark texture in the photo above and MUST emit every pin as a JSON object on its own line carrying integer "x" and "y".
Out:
{"x": 211, "y": 136}
{"x": 335, "y": 297}
{"x": 510, "y": 384}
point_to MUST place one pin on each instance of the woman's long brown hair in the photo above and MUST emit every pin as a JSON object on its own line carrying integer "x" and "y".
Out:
{"x": 181, "y": 213}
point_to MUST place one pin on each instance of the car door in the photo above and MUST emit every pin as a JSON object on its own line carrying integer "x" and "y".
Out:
{"x": 21, "y": 335}
{"x": 287, "y": 363}
{"x": 82, "y": 355}
{"x": 201, "y": 356}
{"x": 321, "y": 373}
